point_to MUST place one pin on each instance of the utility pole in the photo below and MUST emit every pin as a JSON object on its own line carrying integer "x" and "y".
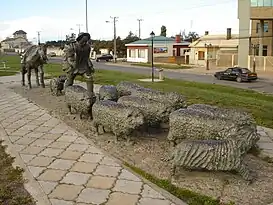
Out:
{"x": 115, "y": 19}
{"x": 79, "y": 26}
{"x": 86, "y": 17}
{"x": 39, "y": 40}
{"x": 139, "y": 29}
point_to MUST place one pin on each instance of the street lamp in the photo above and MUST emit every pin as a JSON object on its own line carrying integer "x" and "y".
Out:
{"x": 207, "y": 60}
{"x": 255, "y": 47}
{"x": 152, "y": 34}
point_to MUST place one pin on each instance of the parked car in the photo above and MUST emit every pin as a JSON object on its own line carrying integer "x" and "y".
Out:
{"x": 236, "y": 73}
{"x": 105, "y": 57}
{"x": 52, "y": 54}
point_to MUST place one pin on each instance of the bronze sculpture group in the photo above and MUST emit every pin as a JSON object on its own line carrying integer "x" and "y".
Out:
{"x": 122, "y": 109}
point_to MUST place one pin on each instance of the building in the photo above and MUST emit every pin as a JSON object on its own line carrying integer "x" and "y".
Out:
{"x": 20, "y": 33}
{"x": 19, "y": 41}
{"x": 164, "y": 47}
{"x": 261, "y": 16}
{"x": 260, "y": 43}
{"x": 215, "y": 48}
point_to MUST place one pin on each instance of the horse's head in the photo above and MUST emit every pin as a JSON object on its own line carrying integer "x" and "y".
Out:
{"x": 42, "y": 51}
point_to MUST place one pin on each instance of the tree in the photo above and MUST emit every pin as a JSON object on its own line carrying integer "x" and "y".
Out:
{"x": 163, "y": 31}
{"x": 122, "y": 50}
{"x": 191, "y": 37}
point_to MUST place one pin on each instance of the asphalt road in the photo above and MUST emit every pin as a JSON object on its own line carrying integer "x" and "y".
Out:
{"x": 261, "y": 85}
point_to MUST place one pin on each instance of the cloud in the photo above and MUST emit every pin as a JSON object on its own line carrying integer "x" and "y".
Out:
{"x": 49, "y": 27}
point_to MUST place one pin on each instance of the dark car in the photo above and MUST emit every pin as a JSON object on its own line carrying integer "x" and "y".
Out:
{"x": 52, "y": 54}
{"x": 105, "y": 57}
{"x": 237, "y": 73}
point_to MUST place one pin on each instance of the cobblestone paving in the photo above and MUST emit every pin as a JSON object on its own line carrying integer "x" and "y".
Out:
{"x": 68, "y": 169}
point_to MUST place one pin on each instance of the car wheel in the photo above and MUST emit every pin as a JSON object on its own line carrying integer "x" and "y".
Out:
{"x": 107, "y": 60}
{"x": 239, "y": 79}
{"x": 97, "y": 60}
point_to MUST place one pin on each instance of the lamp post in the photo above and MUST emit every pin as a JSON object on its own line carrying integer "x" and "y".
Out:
{"x": 255, "y": 47}
{"x": 208, "y": 46}
{"x": 152, "y": 34}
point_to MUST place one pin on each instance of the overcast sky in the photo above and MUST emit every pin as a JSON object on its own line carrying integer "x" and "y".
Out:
{"x": 55, "y": 18}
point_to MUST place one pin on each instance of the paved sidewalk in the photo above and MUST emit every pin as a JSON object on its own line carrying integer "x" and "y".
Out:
{"x": 62, "y": 167}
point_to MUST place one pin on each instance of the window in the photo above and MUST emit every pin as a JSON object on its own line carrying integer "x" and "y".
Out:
{"x": 245, "y": 70}
{"x": 267, "y": 2}
{"x": 254, "y": 3}
{"x": 265, "y": 27}
{"x": 132, "y": 53}
{"x": 229, "y": 70}
{"x": 261, "y": 3}
{"x": 201, "y": 55}
{"x": 141, "y": 53}
{"x": 264, "y": 50}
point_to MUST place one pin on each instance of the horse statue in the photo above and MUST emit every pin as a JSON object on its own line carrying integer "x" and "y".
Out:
{"x": 34, "y": 58}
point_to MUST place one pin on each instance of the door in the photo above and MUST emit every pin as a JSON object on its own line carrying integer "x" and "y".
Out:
{"x": 227, "y": 74}
{"x": 234, "y": 74}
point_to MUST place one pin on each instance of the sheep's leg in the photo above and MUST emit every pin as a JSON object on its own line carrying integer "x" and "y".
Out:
{"x": 116, "y": 138}
{"x": 172, "y": 144}
{"x": 81, "y": 115}
{"x": 246, "y": 174}
{"x": 173, "y": 170}
{"x": 69, "y": 108}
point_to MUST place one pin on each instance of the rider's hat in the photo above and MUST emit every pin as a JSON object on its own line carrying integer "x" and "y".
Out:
{"x": 81, "y": 35}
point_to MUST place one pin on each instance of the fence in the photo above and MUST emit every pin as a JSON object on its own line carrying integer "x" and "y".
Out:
{"x": 263, "y": 63}
{"x": 170, "y": 59}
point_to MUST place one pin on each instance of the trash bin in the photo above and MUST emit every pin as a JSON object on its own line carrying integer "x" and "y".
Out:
{"x": 160, "y": 74}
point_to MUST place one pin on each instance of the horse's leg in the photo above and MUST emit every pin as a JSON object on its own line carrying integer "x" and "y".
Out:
{"x": 23, "y": 74}
{"x": 37, "y": 77}
{"x": 41, "y": 71}
{"x": 29, "y": 76}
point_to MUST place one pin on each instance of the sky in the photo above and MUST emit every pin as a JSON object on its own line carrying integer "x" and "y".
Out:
{"x": 56, "y": 18}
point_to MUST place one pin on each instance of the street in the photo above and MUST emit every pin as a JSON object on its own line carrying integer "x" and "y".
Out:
{"x": 261, "y": 85}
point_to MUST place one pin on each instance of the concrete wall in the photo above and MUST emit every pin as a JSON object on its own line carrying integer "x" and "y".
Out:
{"x": 244, "y": 32}
{"x": 261, "y": 13}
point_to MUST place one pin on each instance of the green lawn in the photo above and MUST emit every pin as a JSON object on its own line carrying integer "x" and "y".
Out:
{"x": 12, "y": 190}
{"x": 7, "y": 73}
{"x": 165, "y": 66}
{"x": 13, "y": 62}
